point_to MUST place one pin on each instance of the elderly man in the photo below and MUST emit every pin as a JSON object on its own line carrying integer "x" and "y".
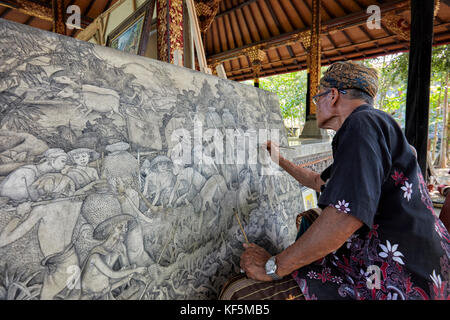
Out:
{"x": 377, "y": 236}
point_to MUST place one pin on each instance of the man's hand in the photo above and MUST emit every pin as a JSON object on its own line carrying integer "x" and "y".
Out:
{"x": 253, "y": 262}
{"x": 273, "y": 149}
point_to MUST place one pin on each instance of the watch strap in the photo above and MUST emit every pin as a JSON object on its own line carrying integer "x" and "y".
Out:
{"x": 274, "y": 276}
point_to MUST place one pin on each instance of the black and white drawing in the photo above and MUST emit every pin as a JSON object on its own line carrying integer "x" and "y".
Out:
{"x": 94, "y": 202}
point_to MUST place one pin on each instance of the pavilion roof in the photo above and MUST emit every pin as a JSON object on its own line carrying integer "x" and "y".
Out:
{"x": 276, "y": 27}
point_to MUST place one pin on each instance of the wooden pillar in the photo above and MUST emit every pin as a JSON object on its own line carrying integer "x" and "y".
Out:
{"x": 308, "y": 93}
{"x": 59, "y": 21}
{"x": 419, "y": 74}
{"x": 256, "y": 82}
{"x": 312, "y": 45}
{"x": 170, "y": 30}
{"x": 314, "y": 55}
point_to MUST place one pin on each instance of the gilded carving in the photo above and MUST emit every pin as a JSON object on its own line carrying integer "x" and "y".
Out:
{"x": 162, "y": 30}
{"x": 176, "y": 27}
{"x": 314, "y": 54}
{"x": 398, "y": 25}
{"x": 305, "y": 38}
{"x": 59, "y": 25}
{"x": 256, "y": 56}
{"x": 35, "y": 10}
{"x": 170, "y": 29}
{"x": 206, "y": 11}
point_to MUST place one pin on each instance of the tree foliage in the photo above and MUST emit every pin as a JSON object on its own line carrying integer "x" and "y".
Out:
{"x": 291, "y": 91}
{"x": 393, "y": 83}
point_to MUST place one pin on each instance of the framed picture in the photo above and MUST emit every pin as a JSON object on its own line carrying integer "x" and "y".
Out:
{"x": 309, "y": 198}
{"x": 132, "y": 35}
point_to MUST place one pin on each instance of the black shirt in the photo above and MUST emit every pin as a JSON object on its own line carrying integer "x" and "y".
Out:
{"x": 376, "y": 178}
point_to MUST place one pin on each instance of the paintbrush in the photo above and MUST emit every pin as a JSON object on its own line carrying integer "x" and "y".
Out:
{"x": 240, "y": 225}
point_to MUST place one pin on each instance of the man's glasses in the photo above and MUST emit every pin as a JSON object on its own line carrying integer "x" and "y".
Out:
{"x": 315, "y": 98}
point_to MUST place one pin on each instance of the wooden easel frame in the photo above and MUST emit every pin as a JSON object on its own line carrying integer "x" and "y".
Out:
{"x": 198, "y": 43}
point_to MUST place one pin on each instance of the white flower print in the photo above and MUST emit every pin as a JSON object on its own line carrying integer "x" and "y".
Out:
{"x": 342, "y": 206}
{"x": 408, "y": 190}
{"x": 349, "y": 240}
{"x": 391, "y": 251}
{"x": 365, "y": 275}
{"x": 436, "y": 279}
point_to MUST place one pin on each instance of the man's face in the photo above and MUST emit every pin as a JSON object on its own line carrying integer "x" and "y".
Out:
{"x": 163, "y": 166}
{"x": 81, "y": 159}
{"x": 59, "y": 163}
{"x": 323, "y": 104}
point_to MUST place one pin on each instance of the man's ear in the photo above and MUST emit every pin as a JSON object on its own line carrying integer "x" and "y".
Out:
{"x": 334, "y": 95}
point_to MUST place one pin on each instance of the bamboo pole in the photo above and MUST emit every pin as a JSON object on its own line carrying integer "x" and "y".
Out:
{"x": 240, "y": 225}
{"x": 197, "y": 37}
{"x": 91, "y": 29}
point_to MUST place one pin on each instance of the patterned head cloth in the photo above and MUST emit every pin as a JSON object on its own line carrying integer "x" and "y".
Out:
{"x": 349, "y": 75}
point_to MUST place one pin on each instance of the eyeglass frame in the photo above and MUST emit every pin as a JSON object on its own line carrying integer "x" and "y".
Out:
{"x": 315, "y": 98}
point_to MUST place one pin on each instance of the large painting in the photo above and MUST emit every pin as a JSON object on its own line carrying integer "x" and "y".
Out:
{"x": 120, "y": 175}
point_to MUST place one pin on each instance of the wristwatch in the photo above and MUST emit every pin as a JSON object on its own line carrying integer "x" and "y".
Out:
{"x": 271, "y": 269}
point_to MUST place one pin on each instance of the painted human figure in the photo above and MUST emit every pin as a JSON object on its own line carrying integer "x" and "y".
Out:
{"x": 213, "y": 120}
{"x": 121, "y": 170}
{"x": 159, "y": 180}
{"x": 228, "y": 119}
{"x": 188, "y": 184}
{"x": 56, "y": 220}
{"x": 16, "y": 185}
{"x": 79, "y": 171}
{"x": 98, "y": 279}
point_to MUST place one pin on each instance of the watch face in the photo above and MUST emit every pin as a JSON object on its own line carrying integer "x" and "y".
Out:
{"x": 270, "y": 266}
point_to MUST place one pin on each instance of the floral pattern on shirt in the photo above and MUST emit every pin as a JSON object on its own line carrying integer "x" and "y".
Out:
{"x": 342, "y": 206}
{"x": 401, "y": 179}
{"x": 395, "y": 282}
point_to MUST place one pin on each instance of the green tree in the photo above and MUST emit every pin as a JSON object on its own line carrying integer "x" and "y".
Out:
{"x": 291, "y": 91}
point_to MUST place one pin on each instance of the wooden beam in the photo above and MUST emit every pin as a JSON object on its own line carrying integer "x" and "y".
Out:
{"x": 88, "y": 8}
{"x": 5, "y": 12}
{"x": 329, "y": 26}
{"x": 246, "y": 25}
{"x": 293, "y": 67}
{"x": 440, "y": 39}
{"x": 28, "y": 21}
{"x": 274, "y": 16}
{"x": 243, "y": 4}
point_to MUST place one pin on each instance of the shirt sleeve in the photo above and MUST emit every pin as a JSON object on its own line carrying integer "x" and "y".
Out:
{"x": 325, "y": 175}
{"x": 361, "y": 163}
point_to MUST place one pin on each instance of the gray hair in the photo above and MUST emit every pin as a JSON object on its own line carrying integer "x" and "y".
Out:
{"x": 360, "y": 95}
